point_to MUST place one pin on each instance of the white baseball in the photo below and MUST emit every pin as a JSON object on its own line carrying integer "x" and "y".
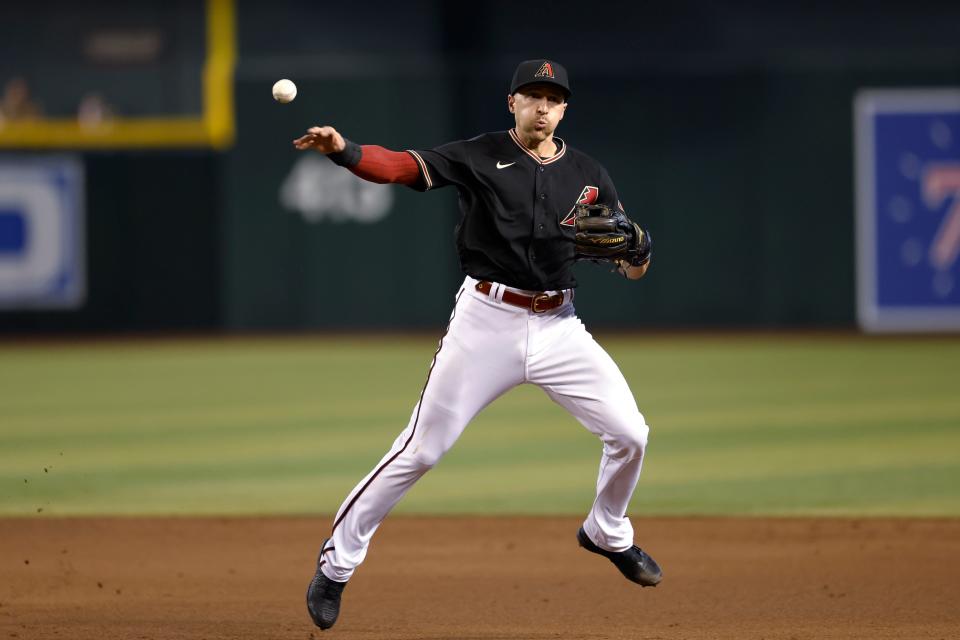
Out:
{"x": 284, "y": 90}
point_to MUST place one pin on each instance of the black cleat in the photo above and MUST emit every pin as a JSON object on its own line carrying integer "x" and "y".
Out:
{"x": 633, "y": 563}
{"x": 323, "y": 599}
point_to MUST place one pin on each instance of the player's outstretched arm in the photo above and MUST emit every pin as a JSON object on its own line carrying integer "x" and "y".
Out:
{"x": 370, "y": 162}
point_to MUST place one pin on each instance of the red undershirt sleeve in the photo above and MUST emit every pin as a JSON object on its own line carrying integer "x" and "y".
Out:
{"x": 381, "y": 165}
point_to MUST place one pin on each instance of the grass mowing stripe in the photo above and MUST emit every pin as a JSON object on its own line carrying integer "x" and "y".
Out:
{"x": 889, "y": 490}
{"x": 748, "y": 424}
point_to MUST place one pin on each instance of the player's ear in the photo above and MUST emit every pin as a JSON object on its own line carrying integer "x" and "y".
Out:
{"x": 511, "y": 104}
{"x": 564, "y": 109}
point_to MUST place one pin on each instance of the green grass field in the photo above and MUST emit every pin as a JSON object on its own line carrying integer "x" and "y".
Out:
{"x": 741, "y": 424}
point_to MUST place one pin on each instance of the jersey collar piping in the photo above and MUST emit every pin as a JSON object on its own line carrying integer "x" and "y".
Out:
{"x": 538, "y": 159}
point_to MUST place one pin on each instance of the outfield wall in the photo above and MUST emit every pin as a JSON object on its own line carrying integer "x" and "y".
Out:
{"x": 729, "y": 134}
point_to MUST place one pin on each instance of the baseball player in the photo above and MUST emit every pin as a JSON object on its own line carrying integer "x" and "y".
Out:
{"x": 531, "y": 206}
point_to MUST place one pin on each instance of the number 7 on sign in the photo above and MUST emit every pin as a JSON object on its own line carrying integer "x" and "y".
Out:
{"x": 941, "y": 181}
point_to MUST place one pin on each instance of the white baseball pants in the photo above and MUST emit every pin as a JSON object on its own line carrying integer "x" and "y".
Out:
{"x": 489, "y": 348}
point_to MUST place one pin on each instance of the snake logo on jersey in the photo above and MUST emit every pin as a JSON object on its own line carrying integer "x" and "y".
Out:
{"x": 587, "y": 196}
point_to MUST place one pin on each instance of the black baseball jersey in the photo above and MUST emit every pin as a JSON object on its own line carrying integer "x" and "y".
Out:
{"x": 517, "y": 222}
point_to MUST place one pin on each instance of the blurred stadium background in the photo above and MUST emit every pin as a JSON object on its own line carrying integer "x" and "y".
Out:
{"x": 148, "y": 189}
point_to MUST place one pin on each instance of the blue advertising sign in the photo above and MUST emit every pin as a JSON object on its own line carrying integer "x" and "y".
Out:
{"x": 908, "y": 209}
{"x": 41, "y": 233}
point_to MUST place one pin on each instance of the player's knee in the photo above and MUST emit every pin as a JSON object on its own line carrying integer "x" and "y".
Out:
{"x": 436, "y": 432}
{"x": 633, "y": 441}
{"x": 425, "y": 458}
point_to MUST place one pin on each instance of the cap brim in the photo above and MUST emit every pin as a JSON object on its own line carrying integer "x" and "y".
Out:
{"x": 566, "y": 91}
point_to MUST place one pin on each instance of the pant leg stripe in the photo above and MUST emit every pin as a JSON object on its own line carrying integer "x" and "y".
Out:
{"x": 415, "y": 421}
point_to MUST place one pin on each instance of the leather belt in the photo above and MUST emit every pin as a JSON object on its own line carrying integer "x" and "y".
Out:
{"x": 536, "y": 303}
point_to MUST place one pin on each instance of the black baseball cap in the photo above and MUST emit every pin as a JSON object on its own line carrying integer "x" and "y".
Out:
{"x": 546, "y": 71}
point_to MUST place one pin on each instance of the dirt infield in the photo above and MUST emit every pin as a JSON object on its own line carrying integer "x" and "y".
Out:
{"x": 480, "y": 578}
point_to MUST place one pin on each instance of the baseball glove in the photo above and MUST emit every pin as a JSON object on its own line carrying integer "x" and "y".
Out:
{"x": 608, "y": 235}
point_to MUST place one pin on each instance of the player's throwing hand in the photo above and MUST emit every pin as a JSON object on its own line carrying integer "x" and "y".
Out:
{"x": 323, "y": 139}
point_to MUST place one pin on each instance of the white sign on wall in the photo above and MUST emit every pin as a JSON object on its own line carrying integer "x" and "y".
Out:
{"x": 908, "y": 209}
{"x": 41, "y": 232}
{"x": 321, "y": 191}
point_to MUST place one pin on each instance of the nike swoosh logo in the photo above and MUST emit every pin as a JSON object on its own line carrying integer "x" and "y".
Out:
{"x": 504, "y": 166}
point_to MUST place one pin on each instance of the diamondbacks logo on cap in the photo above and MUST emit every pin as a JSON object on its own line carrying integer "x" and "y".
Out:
{"x": 545, "y": 71}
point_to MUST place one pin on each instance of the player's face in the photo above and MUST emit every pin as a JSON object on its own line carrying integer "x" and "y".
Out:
{"x": 538, "y": 109}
